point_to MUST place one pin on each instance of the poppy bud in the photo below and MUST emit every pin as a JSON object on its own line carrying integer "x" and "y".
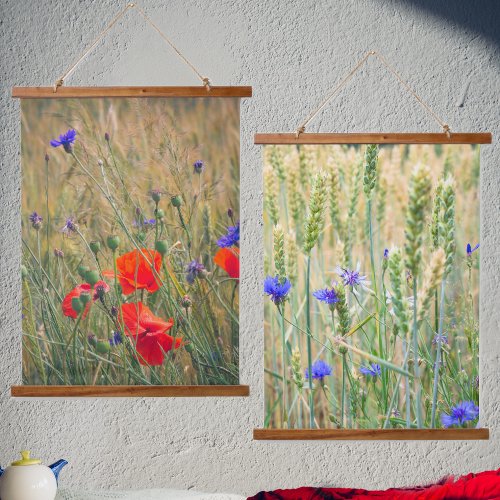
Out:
{"x": 141, "y": 236}
{"x": 102, "y": 347}
{"x": 95, "y": 246}
{"x": 161, "y": 246}
{"x": 24, "y": 272}
{"x": 91, "y": 277}
{"x": 176, "y": 201}
{"x": 159, "y": 213}
{"x": 155, "y": 195}
{"x": 113, "y": 242}
{"x": 186, "y": 302}
{"x": 83, "y": 270}
{"x": 84, "y": 298}
{"x": 189, "y": 348}
{"x": 77, "y": 305}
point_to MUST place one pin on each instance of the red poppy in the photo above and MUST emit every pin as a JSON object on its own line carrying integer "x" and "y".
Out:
{"x": 229, "y": 260}
{"x": 149, "y": 332}
{"x": 67, "y": 306}
{"x": 136, "y": 271}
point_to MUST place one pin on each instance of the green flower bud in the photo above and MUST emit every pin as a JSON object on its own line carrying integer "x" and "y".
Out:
{"x": 155, "y": 195}
{"x": 161, "y": 246}
{"x": 91, "y": 277}
{"x": 24, "y": 272}
{"x": 83, "y": 270}
{"x": 102, "y": 347}
{"x": 176, "y": 201}
{"x": 186, "y": 302}
{"x": 77, "y": 305}
{"x": 159, "y": 213}
{"x": 141, "y": 236}
{"x": 95, "y": 246}
{"x": 113, "y": 242}
{"x": 85, "y": 298}
{"x": 189, "y": 348}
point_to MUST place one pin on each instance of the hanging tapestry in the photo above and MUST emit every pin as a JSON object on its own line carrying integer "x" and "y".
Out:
{"x": 372, "y": 286}
{"x": 130, "y": 241}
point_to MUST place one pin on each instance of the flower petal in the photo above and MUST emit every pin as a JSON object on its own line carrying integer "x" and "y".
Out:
{"x": 228, "y": 260}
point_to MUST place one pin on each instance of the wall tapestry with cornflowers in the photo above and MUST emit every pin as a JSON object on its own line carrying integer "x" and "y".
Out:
{"x": 372, "y": 283}
{"x": 130, "y": 241}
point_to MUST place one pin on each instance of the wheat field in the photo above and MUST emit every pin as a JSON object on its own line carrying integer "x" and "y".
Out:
{"x": 372, "y": 286}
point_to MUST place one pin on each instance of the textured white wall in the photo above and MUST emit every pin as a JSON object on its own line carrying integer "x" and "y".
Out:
{"x": 292, "y": 52}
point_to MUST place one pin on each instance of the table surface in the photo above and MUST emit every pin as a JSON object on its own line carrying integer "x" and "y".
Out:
{"x": 157, "y": 494}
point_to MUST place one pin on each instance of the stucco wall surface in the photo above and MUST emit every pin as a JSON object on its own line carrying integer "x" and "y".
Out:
{"x": 292, "y": 53}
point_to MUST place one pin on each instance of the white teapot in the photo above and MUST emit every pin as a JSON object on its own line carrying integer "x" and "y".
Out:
{"x": 28, "y": 479}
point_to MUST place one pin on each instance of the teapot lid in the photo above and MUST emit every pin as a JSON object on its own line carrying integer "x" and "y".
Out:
{"x": 26, "y": 460}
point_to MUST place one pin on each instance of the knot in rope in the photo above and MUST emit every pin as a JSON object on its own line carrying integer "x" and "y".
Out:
{"x": 206, "y": 82}
{"x": 299, "y": 131}
{"x": 57, "y": 84}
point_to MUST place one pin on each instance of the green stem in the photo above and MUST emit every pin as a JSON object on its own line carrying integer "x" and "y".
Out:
{"x": 184, "y": 226}
{"x": 342, "y": 405}
{"x": 381, "y": 352}
{"x": 416, "y": 370}
{"x": 437, "y": 364}
{"x": 47, "y": 225}
{"x": 309, "y": 347}
{"x": 407, "y": 383}
{"x": 36, "y": 339}
{"x": 283, "y": 366}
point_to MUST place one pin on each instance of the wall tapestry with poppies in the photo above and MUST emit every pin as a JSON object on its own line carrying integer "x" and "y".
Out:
{"x": 130, "y": 241}
{"x": 372, "y": 283}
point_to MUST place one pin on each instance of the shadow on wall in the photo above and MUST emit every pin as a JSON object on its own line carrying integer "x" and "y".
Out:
{"x": 480, "y": 16}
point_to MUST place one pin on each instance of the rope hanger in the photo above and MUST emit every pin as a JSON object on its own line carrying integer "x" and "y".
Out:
{"x": 60, "y": 81}
{"x": 345, "y": 80}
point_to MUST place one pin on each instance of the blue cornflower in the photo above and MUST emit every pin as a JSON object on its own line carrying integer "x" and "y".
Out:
{"x": 463, "y": 412}
{"x": 198, "y": 167}
{"x": 442, "y": 338}
{"x": 277, "y": 291}
{"x": 319, "y": 370}
{"x": 373, "y": 370}
{"x": 194, "y": 270}
{"x": 115, "y": 339}
{"x": 145, "y": 222}
{"x": 36, "y": 220}
{"x": 326, "y": 295}
{"x": 353, "y": 277}
{"x": 70, "y": 226}
{"x": 471, "y": 250}
{"x": 231, "y": 238}
{"x": 65, "y": 140}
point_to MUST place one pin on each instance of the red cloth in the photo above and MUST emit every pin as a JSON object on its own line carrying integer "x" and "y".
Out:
{"x": 482, "y": 486}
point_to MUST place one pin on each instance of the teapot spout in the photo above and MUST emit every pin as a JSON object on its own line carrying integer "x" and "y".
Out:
{"x": 56, "y": 467}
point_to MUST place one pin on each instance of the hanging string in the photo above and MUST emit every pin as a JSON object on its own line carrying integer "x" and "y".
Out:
{"x": 205, "y": 80}
{"x": 301, "y": 129}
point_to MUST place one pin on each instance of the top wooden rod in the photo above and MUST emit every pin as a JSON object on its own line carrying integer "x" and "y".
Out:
{"x": 88, "y": 92}
{"x": 375, "y": 138}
